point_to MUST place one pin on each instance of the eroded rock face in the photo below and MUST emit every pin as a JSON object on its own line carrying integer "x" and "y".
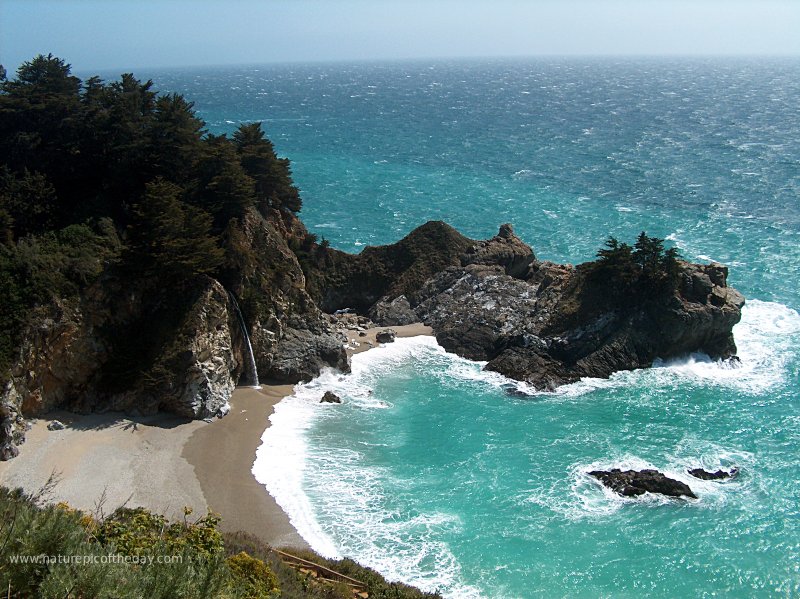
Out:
{"x": 505, "y": 250}
{"x": 393, "y": 312}
{"x": 63, "y": 360}
{"x": 633, "y": 483}
{"x": 132, "y": 346}
{"x": 203, "y": 382}
{"x": 292, "y": 339}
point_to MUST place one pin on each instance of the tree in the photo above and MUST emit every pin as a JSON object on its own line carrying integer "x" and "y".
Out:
{"x": 28, "y": 200}
{"x": 224, "y": 189}
{"x": 39, "y": 121}
{"x": 635, "y": 273}
{"x": 175, "y": 138}
{"x": 616, "y": 264}
{"x": 272, "y": 175}
{"x": 169, "y": 239}
{"x": 649, "y": 254}
{"x": 43, "y": 75}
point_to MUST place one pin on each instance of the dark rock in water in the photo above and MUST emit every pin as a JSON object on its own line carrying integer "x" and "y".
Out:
{"x": 362, "y": 333}
{"x": 56, "y": 425}
{"x": 386, "y": 336}
{"x": 632, "y": 483}
{"x": 718, "y": 475}
{"x": 330, "y": 397}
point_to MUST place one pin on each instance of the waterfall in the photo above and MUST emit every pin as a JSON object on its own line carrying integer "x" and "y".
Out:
{"x": 249, "y": 377}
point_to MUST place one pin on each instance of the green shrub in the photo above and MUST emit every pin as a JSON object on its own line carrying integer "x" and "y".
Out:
{"x": 252, "y": 578}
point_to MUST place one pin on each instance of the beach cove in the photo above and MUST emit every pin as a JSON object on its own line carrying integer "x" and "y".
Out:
{"x": 100, "y": 462}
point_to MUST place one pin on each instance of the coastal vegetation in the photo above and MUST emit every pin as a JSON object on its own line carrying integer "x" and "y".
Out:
{"x": 636, "y": 272}
{"x": 53, "y": 550}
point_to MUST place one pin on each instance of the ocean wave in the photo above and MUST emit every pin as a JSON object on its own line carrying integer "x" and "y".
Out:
{"x": 280, "y": 465}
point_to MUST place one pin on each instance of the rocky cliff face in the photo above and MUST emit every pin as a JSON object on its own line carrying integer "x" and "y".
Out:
{"x": 128, "y": 345}
{"x": 540, "y": 331}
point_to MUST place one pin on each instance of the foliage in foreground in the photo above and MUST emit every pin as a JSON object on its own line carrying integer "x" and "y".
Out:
{"x": 123, "y": 555}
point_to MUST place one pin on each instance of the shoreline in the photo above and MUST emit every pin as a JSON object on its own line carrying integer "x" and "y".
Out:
{"x": 164, "y": 462}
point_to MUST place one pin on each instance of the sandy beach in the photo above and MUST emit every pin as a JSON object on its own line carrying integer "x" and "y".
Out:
{"x": 368, "y": 341}
{"x": 164, "y": 463}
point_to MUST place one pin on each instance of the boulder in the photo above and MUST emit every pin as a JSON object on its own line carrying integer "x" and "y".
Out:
{"x": 56, "y": 425}
{"x": 330, "y": 397}
{"x": 393, "y": 312}
{"x": 633, "y": 483}
{"x": 386, "y": 336}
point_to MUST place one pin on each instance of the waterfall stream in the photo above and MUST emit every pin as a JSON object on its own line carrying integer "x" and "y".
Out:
{"x": 249, "y": 377}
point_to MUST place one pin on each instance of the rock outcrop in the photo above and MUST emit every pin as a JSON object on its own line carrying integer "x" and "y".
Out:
{"x": 550, "y": 324}
{"x": 633, "y": 483}
{"x": 543, "y": 323}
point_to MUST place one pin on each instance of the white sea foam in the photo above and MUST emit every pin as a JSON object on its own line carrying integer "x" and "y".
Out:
{"x": 280, "y": 466}
{"x": 764, "y": 339}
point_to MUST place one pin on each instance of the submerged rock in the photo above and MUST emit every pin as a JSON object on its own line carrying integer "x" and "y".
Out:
{"x": 330, "y": 397}
{"x": 718, "y": 475}
{"x": 633, "y": 483}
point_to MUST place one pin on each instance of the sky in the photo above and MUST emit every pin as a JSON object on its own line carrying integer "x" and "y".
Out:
{"x": 125, "y": 34}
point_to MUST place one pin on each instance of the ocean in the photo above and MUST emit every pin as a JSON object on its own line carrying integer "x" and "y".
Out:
{"x": 429, "y": 472}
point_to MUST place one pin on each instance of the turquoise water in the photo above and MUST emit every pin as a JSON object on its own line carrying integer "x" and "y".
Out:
{"x": 429, "y": 471}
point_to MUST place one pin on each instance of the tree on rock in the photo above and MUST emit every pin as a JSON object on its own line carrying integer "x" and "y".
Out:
{"x": 635, "y": 272}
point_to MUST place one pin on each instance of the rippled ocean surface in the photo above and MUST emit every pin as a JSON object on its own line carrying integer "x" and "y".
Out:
{"x": 428, "y": 471}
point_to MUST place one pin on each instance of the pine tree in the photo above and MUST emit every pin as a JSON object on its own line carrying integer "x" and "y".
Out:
{"x": 272, "y": 175}
{"x": 224, "y": 189}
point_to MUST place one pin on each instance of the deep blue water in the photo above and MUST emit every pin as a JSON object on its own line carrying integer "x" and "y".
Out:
{"x": 437, "y": 477}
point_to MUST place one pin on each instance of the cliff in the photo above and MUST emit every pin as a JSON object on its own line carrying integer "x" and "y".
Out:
{"x": 126, "y": 345}
{"x": 131, "y": 345}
